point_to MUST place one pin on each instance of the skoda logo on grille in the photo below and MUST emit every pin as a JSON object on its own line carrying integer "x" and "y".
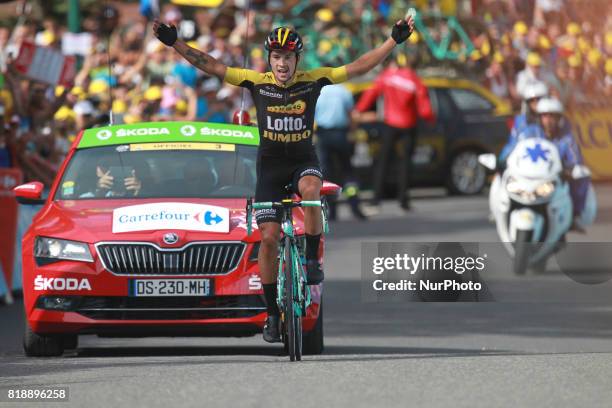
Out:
{"x": 171, "y": 238}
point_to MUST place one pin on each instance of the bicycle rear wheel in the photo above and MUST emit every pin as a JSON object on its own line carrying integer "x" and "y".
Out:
{"x": 292, "y": 319}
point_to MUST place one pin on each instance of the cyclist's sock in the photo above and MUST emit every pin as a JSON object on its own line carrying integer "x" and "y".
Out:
{"x": 270, "y": 293}
{"x": 312, "y": 246}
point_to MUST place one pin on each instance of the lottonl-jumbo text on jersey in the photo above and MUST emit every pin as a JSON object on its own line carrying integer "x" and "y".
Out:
{"x": 285, "y": 112}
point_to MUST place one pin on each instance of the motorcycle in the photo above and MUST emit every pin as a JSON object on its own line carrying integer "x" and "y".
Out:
{"x": 531, "y": 203}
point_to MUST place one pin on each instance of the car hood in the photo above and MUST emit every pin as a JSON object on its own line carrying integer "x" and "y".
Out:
{"x": 92, "y": 221}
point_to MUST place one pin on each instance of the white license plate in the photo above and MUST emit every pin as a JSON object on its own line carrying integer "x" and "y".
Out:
{"x": 170, "y": 287}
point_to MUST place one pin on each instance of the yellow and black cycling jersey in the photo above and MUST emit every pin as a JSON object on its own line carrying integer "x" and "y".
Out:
{"x": 285, "y": 112}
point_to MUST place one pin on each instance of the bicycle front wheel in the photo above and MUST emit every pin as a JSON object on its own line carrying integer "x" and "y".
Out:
{"x": 292, "y": 319}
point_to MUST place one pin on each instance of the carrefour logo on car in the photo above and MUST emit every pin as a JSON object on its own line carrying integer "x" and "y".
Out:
{"x": 208, "y": 217}
{"x": 162, "y": 216}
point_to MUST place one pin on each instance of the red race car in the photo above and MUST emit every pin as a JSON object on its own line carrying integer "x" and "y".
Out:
{"x": 144, "y": 234}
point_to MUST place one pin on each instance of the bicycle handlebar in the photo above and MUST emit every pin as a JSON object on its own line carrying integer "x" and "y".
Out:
{"x": 275, "y": 204}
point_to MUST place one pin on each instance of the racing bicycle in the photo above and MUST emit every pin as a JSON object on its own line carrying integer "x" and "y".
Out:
{"x": 293, "y": 292}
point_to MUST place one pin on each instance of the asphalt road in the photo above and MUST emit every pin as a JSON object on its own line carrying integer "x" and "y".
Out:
{"x": 543, "y": 341}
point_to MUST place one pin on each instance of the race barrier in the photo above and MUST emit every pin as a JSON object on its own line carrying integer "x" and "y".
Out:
{"x": 593, "y": 131}
{"x": 9, "y": 178}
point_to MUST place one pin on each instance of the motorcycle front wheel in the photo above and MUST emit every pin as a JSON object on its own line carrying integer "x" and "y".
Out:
{"x": 522, "y": 249}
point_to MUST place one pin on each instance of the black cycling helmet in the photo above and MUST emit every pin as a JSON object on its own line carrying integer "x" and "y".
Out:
{"x": 284, "y": 38}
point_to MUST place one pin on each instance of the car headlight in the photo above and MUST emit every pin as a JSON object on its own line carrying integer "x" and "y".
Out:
{"x": 48, "y": 250}
{"x": 545, "y": 189}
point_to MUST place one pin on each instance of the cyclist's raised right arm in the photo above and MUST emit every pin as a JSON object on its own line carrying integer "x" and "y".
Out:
{"x": 169, "y": 36}
{"x": 201, "y": 59}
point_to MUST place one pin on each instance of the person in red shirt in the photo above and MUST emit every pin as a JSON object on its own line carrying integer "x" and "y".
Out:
{"x": 405, "y": 100}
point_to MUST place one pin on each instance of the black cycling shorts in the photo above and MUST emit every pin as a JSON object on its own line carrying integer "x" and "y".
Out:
{"x": 273, "y": 174}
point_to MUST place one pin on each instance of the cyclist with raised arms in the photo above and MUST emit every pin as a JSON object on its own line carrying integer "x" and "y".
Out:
{"x": 285, "y": 99}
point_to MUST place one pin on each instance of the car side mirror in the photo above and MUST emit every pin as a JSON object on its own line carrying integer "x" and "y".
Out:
{"x": 330, "y": 189}
{"x": 488, "y": 160}
{"x": 29, "y": 193}
{"x": 580, "y": 171}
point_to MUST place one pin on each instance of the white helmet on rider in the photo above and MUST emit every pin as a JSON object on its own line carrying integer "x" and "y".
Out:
{"x": 549, "y": 105}
{"x": 536, "y": 90}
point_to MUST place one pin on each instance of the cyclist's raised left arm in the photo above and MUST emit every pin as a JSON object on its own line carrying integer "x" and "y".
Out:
{"x": 401, "y": 31}
{"x": 370, "y": 59}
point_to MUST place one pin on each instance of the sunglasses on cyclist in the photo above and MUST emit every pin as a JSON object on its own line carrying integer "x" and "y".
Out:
{"x": 276, "y": 45}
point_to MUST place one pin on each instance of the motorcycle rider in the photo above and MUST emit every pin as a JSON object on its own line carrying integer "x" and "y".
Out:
{"x": 527, "y": 118}
{"x": 554, "y": 126}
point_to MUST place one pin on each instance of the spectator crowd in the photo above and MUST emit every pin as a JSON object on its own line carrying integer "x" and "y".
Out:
{"x": 565, "y": 43}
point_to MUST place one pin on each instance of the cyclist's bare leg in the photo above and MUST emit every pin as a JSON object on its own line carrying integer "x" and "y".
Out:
{"x": 267, "y": 257}
{"x": 268, "y": 251}
{"x": 310, "y": 189}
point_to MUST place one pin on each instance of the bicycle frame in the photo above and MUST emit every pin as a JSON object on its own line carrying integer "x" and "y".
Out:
{"x": 301, "y": 297}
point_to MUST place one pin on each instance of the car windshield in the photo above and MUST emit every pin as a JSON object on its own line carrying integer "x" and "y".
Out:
{"x": 160, "y": 170}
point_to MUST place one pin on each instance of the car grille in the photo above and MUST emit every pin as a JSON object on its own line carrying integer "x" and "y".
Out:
{"x": 170, "y": 308}
{"x": 147, "y": 259}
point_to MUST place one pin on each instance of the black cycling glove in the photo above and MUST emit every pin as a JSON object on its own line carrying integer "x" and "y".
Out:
{"x": 401, "y": 31}
{"x": 167, "y": 34}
